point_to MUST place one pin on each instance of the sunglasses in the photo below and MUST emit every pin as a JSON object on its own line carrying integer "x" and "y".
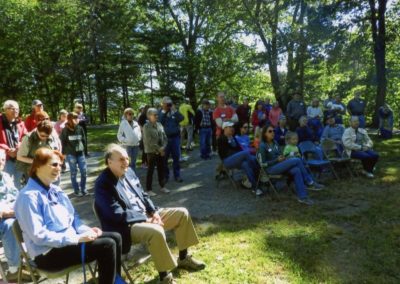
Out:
{"x": 270, "y": 131}
{"x": 55, "y": 165}
{"x": 129, "y": 113}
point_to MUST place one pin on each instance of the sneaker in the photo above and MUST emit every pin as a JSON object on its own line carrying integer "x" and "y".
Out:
{"x": 306, "y": 200}
{"x": 86, "y": 193}
{"x": 315, "y": 186}
{"x": 246, "y": 183}
{"x": 367, "y": 174}
{"x": 258, "y": 192}
{"x": 178, "y": 179}
{"x": 189, "y": 263}
{"x": 78, "y": 194}
{"x": 169, "y": 279}
{"x": 165, "y": 190}
{"x": 151, "y": 193}
{"x": 26, "y": 277}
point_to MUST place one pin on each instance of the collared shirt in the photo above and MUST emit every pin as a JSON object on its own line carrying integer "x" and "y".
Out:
{"x": 206, "y": 119}
{"x": 8, "y": 192}
{"x": 356, "y": 106}
{"x": 47, "y": 218}
{"x": 134, "y": 199}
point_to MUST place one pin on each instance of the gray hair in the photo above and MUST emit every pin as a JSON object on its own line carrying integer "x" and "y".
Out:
{"x": 354, "y": 118}
{"x": 112, "y": 148}
{"x": 10, "y": 103}
{"x": 152, "y": 110}
{"x": 303, "y": 117}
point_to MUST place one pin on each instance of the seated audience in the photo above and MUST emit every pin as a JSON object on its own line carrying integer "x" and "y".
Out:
{"x": 233, "y": 157}
{"x": 129, "y": 134}
{"x": 244, "y": 139}
{"x": 8, "y": 195}
{"x": 291, "y": 150}
{"x": 305, "y": 132}
{"x": 385, "y": 115}
{"x": 124, "y": 207}
{"x": 358, "y": 145}
{"x": 333, "y": 131}
{"x": 280, "y": 131}
{"x": 314, "y": 115}
{"x": 274, "y": 114}
{"x": 275, "y": 164}
{"x": 155, "y": 141}
{"x": 259, "y": 116}
{"x": 52, "y": 229}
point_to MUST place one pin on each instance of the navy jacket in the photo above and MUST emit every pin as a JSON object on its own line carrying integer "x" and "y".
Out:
{"x": 115, "y": 212}
{"x": 170, "y": 122}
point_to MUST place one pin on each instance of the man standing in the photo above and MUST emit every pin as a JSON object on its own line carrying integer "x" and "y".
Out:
{"x": 203, "y": 122}
{"x": 30, "y": 121}
{"x": 223, "y": 113}
{"x": 12, "y": 129}
{"x": 83, "y": 121}
{"x": 356, "y": 107}
{"x": 170, "y": 118}
{"x": 243, "y": 112}
{"x": 8, "y": 195}
{"x": 125, "y": 208}
{"x": 295, "y": 109}
{"x": 187, "y": 123}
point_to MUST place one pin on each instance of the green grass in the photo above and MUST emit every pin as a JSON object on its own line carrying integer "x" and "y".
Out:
{"x": 350, "y": 236}
{"x": 99, "y": 137}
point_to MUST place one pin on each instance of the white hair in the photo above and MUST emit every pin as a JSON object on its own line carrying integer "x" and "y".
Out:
{"x": 10, "y": 103}
{"x": 112, "y": 148}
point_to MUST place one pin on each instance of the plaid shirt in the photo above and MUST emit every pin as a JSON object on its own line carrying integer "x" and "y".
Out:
{"x": 206, "y": 121}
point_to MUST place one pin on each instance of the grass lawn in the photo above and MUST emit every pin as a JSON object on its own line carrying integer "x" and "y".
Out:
{"x": 351, "y": 235}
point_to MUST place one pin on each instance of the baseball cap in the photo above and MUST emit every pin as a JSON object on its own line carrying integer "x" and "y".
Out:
{"x": 205, "y": 102}
{"x": 166, "y": 100}
{"x": 37, "y": 103}
{"x": 227, "y": 124}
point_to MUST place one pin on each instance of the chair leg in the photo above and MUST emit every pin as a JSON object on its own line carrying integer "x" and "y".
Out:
{"x": 334, "y": 172}
{"x": 3, "y": 274}
{"x": 66, "y": 278}
{"x": 126, "y": 270}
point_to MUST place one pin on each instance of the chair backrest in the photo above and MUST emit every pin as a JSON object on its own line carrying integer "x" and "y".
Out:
{"x": 307, "y": 147}
{"x": 96, "y": 213}
{"x": 20, "y": 239}
{"x": 329, "y": 146}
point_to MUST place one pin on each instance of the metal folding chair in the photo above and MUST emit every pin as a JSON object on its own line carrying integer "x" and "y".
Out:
{"x": 335, "y": 156}
{"x": 222, "y": 172}
{"x": 2, "y": 273}
{"x": 30, "y": 265}
{"x": 268, "y": 178}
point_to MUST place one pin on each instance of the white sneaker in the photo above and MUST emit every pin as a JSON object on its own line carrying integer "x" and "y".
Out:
{"x": 258, "y": 192}
{"x": 165, "y": 190}
{"x": 367, "y": 174}
{"x": 151, "y": 193}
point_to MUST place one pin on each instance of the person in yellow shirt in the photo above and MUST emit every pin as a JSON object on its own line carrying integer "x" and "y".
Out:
{"x": 187, "y": 123}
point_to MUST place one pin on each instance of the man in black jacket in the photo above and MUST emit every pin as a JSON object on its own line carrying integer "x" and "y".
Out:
{"x": 124, "y": 207}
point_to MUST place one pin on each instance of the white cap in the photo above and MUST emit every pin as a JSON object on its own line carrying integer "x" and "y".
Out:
{"x": 227, "y": 123}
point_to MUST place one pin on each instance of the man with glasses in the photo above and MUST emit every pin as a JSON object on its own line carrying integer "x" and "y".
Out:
{"x": 125, "y": 208}
{"x": 12, "y": 129}
{"x": 30, "y": 120}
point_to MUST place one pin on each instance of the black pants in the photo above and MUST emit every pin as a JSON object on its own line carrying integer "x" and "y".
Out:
{"x": 106, "y": 250}
{"x": 152, "y": 161}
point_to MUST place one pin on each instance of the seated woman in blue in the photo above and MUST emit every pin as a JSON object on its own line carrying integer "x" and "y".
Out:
{"x": 276, "y": 164}
{"x": 51, "y": 228}
{"x": 244, "y": 139}
{"x": 233, "y": 157}
{"x": 280, "y": 131}
{"x": 305, "y": 132}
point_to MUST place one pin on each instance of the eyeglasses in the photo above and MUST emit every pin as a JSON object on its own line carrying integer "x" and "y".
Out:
{"x": 270, "y": 131}
{"x": 44, "y": 118}
{"x": 55, "y": 165}
{"x": 129, "y": 113}
{"x": 13, "y": 108}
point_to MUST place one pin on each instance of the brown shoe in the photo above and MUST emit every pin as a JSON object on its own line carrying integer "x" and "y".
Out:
{"x": 25, "y": 277}
{"x": 169, "y": 279}
{"x": 190, "y": 263}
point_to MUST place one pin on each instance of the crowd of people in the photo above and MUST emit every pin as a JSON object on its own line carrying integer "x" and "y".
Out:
{"x": 33, "y": 154}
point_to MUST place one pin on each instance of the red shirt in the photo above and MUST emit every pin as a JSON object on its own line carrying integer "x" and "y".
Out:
{"x": 225, "y": 113}
{"x": 3, "y": 138}
{"x": 30, "y": 122}
{"x": 274, "y": 115}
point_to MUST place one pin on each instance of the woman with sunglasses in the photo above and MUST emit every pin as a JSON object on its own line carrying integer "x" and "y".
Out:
{"x": 41, "y": 136}
{"x": 129, "y": 135}
{"x": 52, "y": 229}
{"x": 73, "y": 141}
{"x": 275, "y": 163}
{"x": 244, "y": 139}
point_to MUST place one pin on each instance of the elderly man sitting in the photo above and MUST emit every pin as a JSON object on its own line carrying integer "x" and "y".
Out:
{"x": 8, "y": 195}
{"x": 358, "y": 145}
{"x": 124, "y": 207}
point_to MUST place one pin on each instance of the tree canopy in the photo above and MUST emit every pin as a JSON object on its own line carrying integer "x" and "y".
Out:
{"x": 110, "y": 54}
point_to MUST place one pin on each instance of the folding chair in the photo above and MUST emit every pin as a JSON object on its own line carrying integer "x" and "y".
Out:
{"x": 268, "y": 178}
{"x": 2, "y": 273}
{"x": 31, "y": 266}
{"x": 308, "y": 148}
{"x": 124, "y": 257}
{"x": 335, "y": 156}
{"x": 222, "y": 172}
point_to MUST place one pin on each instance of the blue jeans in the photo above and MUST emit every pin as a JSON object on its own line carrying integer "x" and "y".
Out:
{"x": 295, "y": 167}
{"x": 205, "y": 142}
{"x": 173, "y": 148}
{"x": 81, "y": 162}
{"x": 245, "y": 161}
{"x": 11, "y": 249}
{"x": 368, "y": 158}
{"x": 14, "y": 173}
{"x": 132, "y": 153}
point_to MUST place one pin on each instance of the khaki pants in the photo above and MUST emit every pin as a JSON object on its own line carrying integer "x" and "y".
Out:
{"x": 153, "y": 236}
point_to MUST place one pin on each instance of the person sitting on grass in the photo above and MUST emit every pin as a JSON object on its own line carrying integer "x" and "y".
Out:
{"x": 124, "y": 207}
{"x": 233, "y": 157}
{"x": 52, "y": 230}
{"x": 244, "y": 139}
{"x": 358, "y": 145}
{"x": 291, "y": 150}
{"x": 276, "y": 164}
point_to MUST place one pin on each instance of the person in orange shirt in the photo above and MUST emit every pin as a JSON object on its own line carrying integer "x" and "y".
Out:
{"x": 30, "y": 121}
{"x": 223, "y": 113}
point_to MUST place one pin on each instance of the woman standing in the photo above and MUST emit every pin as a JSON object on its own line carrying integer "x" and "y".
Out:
{"x": 129, "y": 135}
{"x": 73, "y": 141}
{"x": 259, "y": 116}
{"x": 52, "y": 229}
